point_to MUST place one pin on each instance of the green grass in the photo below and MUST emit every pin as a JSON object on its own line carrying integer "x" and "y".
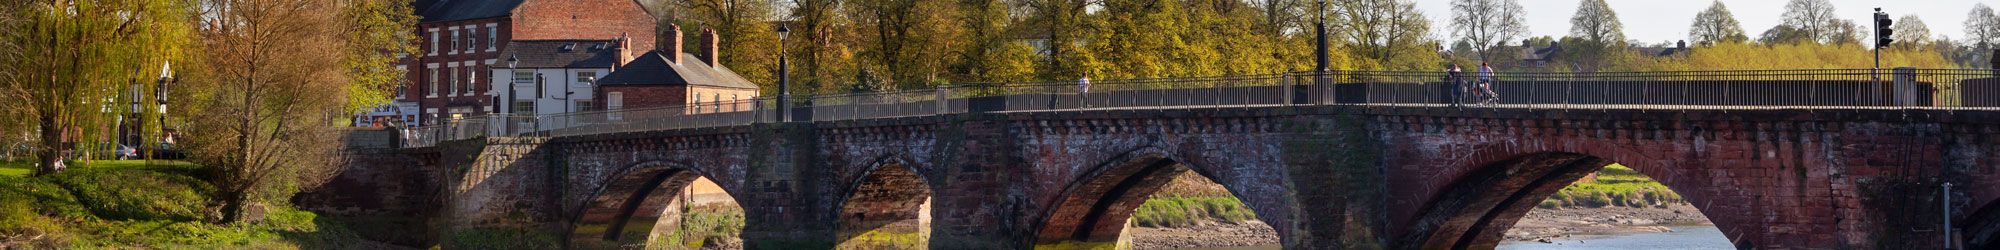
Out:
{"x": 1176, "y": 211}
{"x": 1618, "y": 186}
{"x": 132, "y": 204}
{"x": 23, "y": 168}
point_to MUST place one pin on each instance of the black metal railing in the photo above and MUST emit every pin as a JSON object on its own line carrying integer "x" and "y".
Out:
{"x": 1764, "y": 89}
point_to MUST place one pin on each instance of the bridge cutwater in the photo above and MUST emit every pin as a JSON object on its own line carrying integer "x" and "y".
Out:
{"x": 1789, "y": 159}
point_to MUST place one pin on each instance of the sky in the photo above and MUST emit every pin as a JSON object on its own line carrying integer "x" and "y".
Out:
{"x": 1655, "y": 21}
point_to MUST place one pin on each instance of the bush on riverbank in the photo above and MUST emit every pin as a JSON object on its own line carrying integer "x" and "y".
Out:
{"x": 121, "y": 204}
{"x": 1615, "y": 186}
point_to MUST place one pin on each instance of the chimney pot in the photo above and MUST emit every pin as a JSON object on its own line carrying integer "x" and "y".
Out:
{"x": 674, "y": 47}
{"x": 708, "y": 47}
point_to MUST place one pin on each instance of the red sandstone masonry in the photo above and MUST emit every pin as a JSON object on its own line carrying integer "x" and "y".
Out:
{"x": 1769, "y": 179}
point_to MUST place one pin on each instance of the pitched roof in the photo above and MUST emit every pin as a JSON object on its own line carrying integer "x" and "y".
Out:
{"x": 454, "y": 10}
{"x": 653, "y": 68}
{"x": 562, "y": 53}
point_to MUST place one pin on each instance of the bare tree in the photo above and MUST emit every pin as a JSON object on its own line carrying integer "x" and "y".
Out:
{"x": 275, "y": 83}
{"x": 1597, "y": 23}
{"x": 1716, "y": 25}
{"x": 1486, "y": 23}
{"x": 1911, "y": 33}
{"x": 1982, "y": 27}
{"x": 1382, "y": 31}
{"x": 1814, "y": 18}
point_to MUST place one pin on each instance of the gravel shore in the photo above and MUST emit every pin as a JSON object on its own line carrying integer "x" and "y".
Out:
{"x": 1554, "y": 224}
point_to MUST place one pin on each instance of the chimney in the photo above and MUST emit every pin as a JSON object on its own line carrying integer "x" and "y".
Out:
{"x": 708, "y": 47}
{"x": 1682, "y": 44}
{"x": 674, "y": 43}
{"x": 624, "y": 49}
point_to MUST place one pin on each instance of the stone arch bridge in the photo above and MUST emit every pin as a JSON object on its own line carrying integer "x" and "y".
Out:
{"x": 1323, "y": 176}
{"x": 1351, "y": 176}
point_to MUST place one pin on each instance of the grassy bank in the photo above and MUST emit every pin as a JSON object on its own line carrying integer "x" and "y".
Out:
{"x": 1189, "y": 200}
{"x": 132, "y": 204}
{"x": 1615, "y": 186}
{"x": 708, "y": 225}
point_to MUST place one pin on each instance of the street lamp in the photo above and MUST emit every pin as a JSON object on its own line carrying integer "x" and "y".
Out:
{"x": 512, "y": 61}
{"x": 784, "y": 78}
{"x": 1319, "y": 48}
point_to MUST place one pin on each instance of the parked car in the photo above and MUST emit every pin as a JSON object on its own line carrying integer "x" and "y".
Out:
{"x": 117, "y": 152}
{"x": 167, "y": 151}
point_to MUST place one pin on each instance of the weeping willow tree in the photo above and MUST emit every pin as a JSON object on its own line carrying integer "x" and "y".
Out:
{"x": 68, "y": 64}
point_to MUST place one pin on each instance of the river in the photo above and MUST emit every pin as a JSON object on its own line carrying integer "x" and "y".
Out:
{"x": 1683, "y": 237}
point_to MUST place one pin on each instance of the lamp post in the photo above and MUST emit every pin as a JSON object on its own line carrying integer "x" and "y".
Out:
{"x": 784, "y": 78}
{"x": 160, "y": 96}
{"x": 1319, "y": 46}
{"x": 512, "y": 61}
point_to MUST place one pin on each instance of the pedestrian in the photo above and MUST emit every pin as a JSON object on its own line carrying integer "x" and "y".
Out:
{"x": 1453, "y": 87}
{"x": 1083, "y": 90}
{"x": 1486, "y": 84}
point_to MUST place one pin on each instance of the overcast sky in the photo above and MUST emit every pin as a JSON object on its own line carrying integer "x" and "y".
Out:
{"x": 1653, "y": 21}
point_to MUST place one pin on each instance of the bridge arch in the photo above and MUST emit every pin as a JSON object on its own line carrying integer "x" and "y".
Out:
{"x": 1982, "y": 227}
{"x": 635, "y": 208}
{"x": 886, "y": 206}
{"x": 1092, "y": 211}
{"x": 1476, "y": 208}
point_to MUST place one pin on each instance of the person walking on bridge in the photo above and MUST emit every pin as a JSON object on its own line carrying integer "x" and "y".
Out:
{"x": 1486, "y": 85}
{"x": 1453, "y": 88}
{"x": 1083, "y": 91}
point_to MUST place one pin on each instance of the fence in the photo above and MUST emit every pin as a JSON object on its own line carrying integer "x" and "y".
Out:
{"x": 1767, "y": 89}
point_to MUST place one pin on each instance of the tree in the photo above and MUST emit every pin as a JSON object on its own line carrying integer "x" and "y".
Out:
{"x": 1062, "y": 24}
{"x": 1485, "y": 23}
{"x": 910, "y": 40}
{"x": 1814, "y": 18}
{"x": 273, "y": 83}
{"x": 1911, "y": 33}
{"x": 1783, "y": 34}
{"x": 1385, "y": 34}
{"x": 990, "y": 54}
{"x": 1595, "y": 22}
{"x": 1716, "y": 25}
{"x": 746, "y": 40}
{"x": 1982, "y": 27}
{"x": 65, "y": 59}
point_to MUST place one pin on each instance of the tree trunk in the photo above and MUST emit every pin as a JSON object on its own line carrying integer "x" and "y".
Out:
{"x": 232, "y": 206}
{"x": 54, "y": 147}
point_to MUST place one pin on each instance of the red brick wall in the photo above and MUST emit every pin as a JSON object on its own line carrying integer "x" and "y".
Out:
{"x": 646, "y": 96}
{"x": 586, "y": 19}
{"x": 418, "y": 85}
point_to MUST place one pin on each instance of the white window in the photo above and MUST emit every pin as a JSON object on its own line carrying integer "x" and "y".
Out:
{"x": 434, "y": 41}
{"x": 431, "y": 78}
{"x": 471, "y": 39}
{"x": 492, "y": 36}
{"x": 586, "y": 78}
{"x": 454, "y": 41}
{"x": 471, "y": 81}
{"x": 453, "y": 79}
{"x": 614, "y": 101}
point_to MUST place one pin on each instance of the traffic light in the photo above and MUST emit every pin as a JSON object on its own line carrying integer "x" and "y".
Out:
{"x": 1882, "y": 30}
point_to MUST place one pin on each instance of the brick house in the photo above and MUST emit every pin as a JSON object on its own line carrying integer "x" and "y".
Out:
{"x": 668, "y": 78}
{"x": 460, "y": 39}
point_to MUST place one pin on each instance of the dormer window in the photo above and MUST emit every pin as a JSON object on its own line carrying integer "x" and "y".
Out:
{"x": 567, "y": 47}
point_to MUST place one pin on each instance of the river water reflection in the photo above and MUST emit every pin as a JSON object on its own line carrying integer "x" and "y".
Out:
{"x": 1683, "y": 237}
